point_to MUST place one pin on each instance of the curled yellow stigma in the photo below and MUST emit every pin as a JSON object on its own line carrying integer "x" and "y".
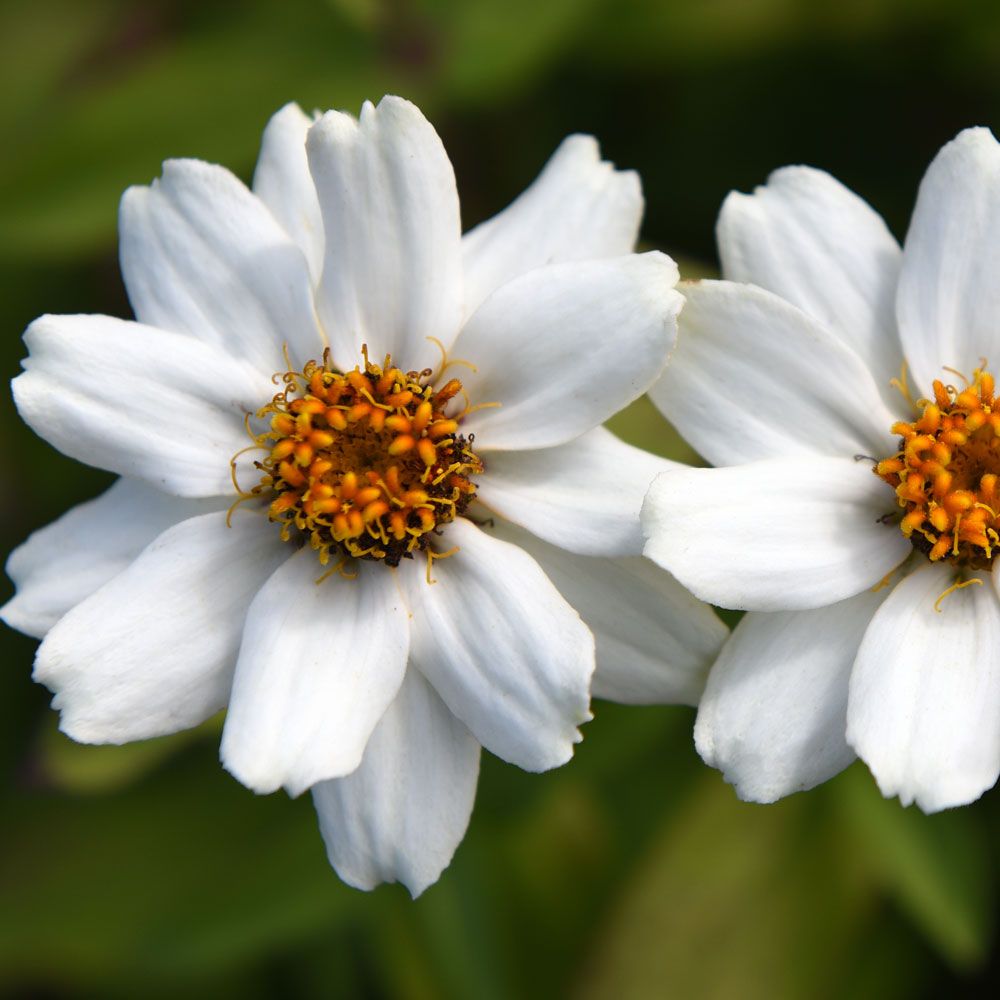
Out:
{"x": 363, "y": 464}
{"x": 945, "y": 474}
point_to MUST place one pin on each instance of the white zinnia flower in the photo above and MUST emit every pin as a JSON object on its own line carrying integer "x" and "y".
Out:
{"x": 874, "y": 625}
{"x": 158, "y": 608}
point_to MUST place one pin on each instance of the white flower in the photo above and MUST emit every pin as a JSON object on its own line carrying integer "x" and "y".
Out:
{"x": 191, "y": 585}
{"x": 874, "y": 624}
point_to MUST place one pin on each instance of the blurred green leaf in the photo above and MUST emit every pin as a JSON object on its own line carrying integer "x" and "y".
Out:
{"x": 733, "y": 900}
{"x": 205, "y": 93}
{"x": 166, "y": 881}
{"x": 937, "y": 868}
{"x": 61, "y": 763}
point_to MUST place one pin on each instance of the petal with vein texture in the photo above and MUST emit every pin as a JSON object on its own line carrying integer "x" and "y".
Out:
{"x": 924, "y": 704}
{"x": 138, "y": 401}
{"x": 283, "y": 182}
{"x": 319, "y": 665}
{"x": 774, "y": 536}
{"x": 400, "y": 816}
{"x": 502, "y": 647}
{"x": 774, "y": 714}
{"x": 654, "y": 640}
{"x": 579, "y": 207}
{"x": 66, "y": 561}
{"x": 753, "y": 377}
{"x": 392, "y": 276}
{"x": 201, "y": 255}
{"x": 562, "y": 348}
{"x": 814, "y": 242}
{"x": 584, "y": 496}
{"x": 152, "y": 652}
{"x": 949, "y": 296}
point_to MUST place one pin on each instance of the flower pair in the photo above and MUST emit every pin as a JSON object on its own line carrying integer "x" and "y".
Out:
{"x": 367, "y": 504}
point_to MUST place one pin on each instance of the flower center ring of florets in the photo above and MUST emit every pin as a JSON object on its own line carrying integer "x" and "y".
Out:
{"x": 945, "y": 473}
{"x": 363, "y": 464}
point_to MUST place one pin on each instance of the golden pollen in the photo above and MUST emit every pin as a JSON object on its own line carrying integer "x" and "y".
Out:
{"x": 364, "y": 464}
{"x": 946, "y": 472}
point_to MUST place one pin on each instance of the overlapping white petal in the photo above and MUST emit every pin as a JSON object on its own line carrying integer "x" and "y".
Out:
{"x": 502, "y": 647}
{"x": 543, "y": 349}
{"x": 138, "y": 401}
{"x": 774, "y": 535}
{"x": 392, "y": 274}
{"x": 319, "y": 665}
{"x": 584, "y": 496}
{"x": 283, "y": 182}
{"x": 654, "y": 641}
{"x": 579, "y": 207}
{"x": 774, "y": 713}
{"x": 201, "y": 255}
{"x": 949, "y": 297}
{"x": 753, "y": 377}
{"x": 806, "y": 237}
{"x": 400, "y": 816}
{"x": 66, "y": 561}
{"x": 153, "y": 650}
{"x": 924, "y": 708}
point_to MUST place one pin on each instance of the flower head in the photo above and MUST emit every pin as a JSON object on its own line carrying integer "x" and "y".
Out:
{"x": 366, "y": 502}
{"x": 847, "y": 392}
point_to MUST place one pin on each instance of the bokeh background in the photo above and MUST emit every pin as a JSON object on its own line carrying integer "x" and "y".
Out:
{"x": 633, "y": 872}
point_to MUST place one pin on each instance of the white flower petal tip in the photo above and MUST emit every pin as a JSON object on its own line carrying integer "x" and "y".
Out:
{"x": 774, "y": 535}
{"x": 518, "y": 671}
{"x": 924, "y": 709}
{"x": 65, "y": 562}
{"x": 948, "y": 298}
{"x": 202, "y": 255}
{"x": 580, "y": 207}
{"x": 812, "y": 241}
{"x": 773, "y": 714}
{"x": 401, "y": 815}
{"x": 283, "y": 182}
{"x": 733, "y": 345}
{"x": 559, "y": 319}
{"x": 318, "y": 666}
{"x": 392, "y": 275}
{"x": 120, "y": 665}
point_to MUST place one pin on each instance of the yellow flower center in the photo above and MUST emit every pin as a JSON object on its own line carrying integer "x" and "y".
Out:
{"x": 946, "y": 473}
{"x": 364, "y": 464}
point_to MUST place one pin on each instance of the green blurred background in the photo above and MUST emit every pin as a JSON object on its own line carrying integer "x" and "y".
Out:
{"x": 634, "y": 871}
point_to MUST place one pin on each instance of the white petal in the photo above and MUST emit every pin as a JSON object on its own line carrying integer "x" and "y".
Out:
{"x": 393, "y": 270}
{"x": 774, "y": 714}
{"x": 949, "y": 298}
{"x": 578, "y": 208}
{"x": 507, "y": 654}
{"x": 775, "y": 535}
{"x": 655, "y": 641}
{"x": 562, "y": 348}
{"x": 924, "y": 707}
{"x": 400, "y": 816}
{"x": 809, "y": 239}
{"x": 152, "y": 652}
{"x": 138, "y": 401}
{"x": 283, "y": 182}
{"x": 200, "y": 254}
{"x": 584, "y": 496}
{"x": 754, "y": 377}
{"x": 66, "y": 561}
{"x": 319, "y": 665}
